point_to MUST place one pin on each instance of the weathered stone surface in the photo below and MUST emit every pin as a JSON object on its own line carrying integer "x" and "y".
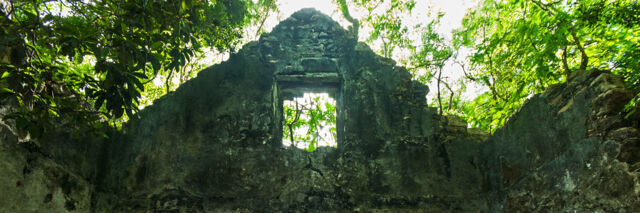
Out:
{"x": 32, "y": 181}
{"x": 214, "y": 145}
{"x": 551, "y": 156}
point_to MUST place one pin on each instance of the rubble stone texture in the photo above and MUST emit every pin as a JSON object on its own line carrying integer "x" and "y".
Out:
{"x": 214, "y": 145}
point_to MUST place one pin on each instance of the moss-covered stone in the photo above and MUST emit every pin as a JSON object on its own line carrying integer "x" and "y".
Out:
{"x": 214, "y": 145}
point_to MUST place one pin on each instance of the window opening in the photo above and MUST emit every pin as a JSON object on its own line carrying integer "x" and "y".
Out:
{"x": 309, "y": 121}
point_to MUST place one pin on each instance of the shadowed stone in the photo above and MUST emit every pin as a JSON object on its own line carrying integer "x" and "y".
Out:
{"x": 214, "y": 145}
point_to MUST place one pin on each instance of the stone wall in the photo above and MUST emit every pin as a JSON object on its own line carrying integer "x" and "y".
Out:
{"x": 214, "y": 145}
{"x": 55, "y": 175}
{"x": 569, "y": 149}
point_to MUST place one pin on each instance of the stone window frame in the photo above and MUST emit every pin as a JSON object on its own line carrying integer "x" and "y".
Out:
{"x": 289, "y": 86}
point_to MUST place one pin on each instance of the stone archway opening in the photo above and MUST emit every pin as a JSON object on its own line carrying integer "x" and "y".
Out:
{"x": 309, "y": 121}
{"x": 309, "y": 110}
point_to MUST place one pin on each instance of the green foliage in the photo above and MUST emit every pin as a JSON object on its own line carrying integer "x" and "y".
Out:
{"x": 431, "y": 56}
{"x": 428, "y": 54}
{"x": 387, "y": 25}
{"x": 308, "y": 121}
{"x": 355, "y": 24}
{"x": 79, "y": 63}
{"x": 259, "y": 12}
{"x": 521, "y": 47}
{"x": 433, "y": 51}
{"x": 81, "y": 60}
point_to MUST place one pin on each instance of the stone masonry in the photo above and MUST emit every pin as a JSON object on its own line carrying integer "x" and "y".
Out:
{"x": 214, "y": 145}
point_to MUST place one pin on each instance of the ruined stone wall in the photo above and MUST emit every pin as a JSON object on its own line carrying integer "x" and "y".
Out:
{"x": 569, "y": 149}
{"x": 53, "y": 175}
{"x": 214, "y": 145}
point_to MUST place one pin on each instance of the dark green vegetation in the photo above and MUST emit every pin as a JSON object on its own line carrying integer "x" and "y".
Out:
{"x": 521, "y": 47}
{"x": 518, "y": 48}
{"x": 84, "y": 62}
{"x": 215, "y": 143}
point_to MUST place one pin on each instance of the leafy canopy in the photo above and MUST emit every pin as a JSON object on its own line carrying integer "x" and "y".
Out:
{"x": 77, "y": 61}
{"x": 520, "y": 47}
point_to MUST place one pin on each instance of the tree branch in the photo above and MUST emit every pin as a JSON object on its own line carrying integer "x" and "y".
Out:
{"x": 446, "y": 85}
{"x": 584, "y": 59}
{"x": 264, "y": 18}
{"x": 168, "y": 81}
{"x": 384, "y": 47}
{"x": 439, "y": 98}
{"x": 565, "y": 65}
{"x": 543, "y": 6}
{"x": 466, "y": 75}
{"x": 345, "y": 12}
{"x": 290, "y": 125}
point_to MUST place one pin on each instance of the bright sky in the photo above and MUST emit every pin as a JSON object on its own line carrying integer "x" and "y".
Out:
{"x": 422, "y": 14}
{"x": 454, "y": 11}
